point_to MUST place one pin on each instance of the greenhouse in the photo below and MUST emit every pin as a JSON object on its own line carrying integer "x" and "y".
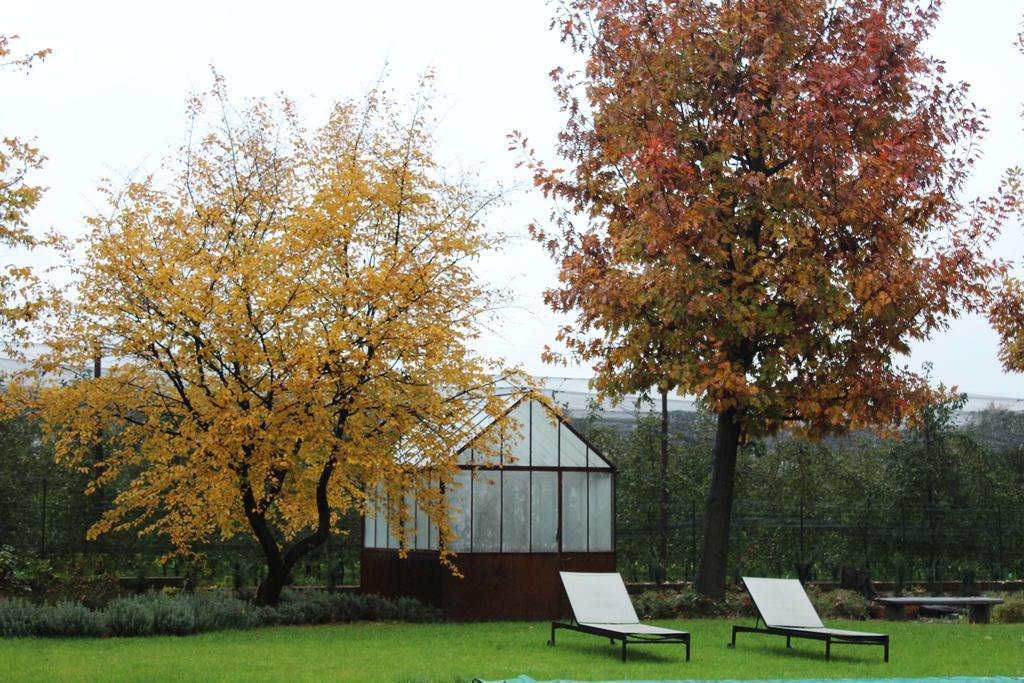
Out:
{"x": 548, "y": 505}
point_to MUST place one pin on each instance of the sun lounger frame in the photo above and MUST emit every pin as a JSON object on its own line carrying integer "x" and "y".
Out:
{"x": 830, "y": 639}
{"x": 609, "y": 631}
{"x": 829, "y": 636}
{"x": 629, "y": 631}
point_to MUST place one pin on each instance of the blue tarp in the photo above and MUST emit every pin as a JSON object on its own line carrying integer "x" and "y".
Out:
{"x": 950, "y": 679}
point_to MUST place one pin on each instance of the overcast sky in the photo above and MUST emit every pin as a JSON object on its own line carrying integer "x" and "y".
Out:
{"x": 109, "y": 102}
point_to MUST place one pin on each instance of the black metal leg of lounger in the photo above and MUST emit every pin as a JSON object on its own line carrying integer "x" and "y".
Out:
{"x": 687, "y": 649}
{"x": 623, "y": 649}
{"x": 828, "y": 649}
{"x": 553, "y": 625}
{"x": 742, "y": 629}
{"x": 788, "y": 644}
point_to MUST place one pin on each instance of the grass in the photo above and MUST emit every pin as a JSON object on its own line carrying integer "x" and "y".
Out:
{"x": 418, "y": 653}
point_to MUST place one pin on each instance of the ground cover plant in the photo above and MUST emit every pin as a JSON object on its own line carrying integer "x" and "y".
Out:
{"x": 689, "y": 604}
{"x": 155, "y": 614}
{"x": 407, "y": 653}
{"x": 1012, "y": 609}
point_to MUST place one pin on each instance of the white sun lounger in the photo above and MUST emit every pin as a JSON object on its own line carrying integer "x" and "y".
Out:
{"x": 785, "y": 609}
{"x": 601, "y": 606}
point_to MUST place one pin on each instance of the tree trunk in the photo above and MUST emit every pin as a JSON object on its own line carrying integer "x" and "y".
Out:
{"x": 269, "y": 590}
{"x": 664, "y": 486}
{"x": 280, "y": 565}
{"x": 718, "y": 511}
{"x": 95, "y": 503}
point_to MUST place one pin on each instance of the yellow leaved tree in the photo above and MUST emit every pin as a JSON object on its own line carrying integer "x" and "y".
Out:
{"x": 287, "y": 315}
{"x": 18, "y": 302}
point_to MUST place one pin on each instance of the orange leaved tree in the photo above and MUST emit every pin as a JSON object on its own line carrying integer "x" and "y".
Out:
{"x": 761, "y": 208}
{"x": 1007, "y": 309}
{"x": 284, "y": 316}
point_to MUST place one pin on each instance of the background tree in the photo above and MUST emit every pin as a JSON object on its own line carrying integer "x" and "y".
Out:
{"x": 771, "y": 190}
{"x": 926, "y": 472}
{"x": 17, "y": 199}
{"x": 286, "y": 317}
{"x": 639, "y": 376}
{"x": 993, "y": 478}
{"x": 647, "y": 547}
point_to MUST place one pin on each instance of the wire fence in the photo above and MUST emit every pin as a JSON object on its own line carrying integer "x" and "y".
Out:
{"x": 49, "y": 520}
{"x": 890, "y": 541}
{"x": 896, "y": 543}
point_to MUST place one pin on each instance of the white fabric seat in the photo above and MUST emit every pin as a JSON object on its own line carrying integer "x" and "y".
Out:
{"x": 601, "y": 606}
{"x": 634, "y": 628}
{"x": 785, "y": 609}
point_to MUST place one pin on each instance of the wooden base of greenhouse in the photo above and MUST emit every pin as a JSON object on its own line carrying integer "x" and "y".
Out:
{"x": 493, "y": 586}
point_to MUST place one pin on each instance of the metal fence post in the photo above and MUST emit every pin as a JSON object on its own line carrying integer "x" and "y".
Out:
{"x": 42, "y": 527}
{"x": 693, "y": 541}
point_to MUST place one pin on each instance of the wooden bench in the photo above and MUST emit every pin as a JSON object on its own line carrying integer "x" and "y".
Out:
{"x": 981, "y": 608}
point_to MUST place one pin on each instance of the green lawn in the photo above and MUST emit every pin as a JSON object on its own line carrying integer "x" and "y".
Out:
{"x": 458, "y": 652}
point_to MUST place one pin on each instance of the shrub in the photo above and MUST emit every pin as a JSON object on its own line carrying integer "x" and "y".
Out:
{"x": 840, "y": 604}
{"x": 686, "y": 603}
{"x": 412, "y": 610}
{"x": 180, "y": 614}
{"x": 739, "y": 604}
{"x": 301, "y": 607}
{"x": 173, "y": 615}
{"x": 68, "y": 619}
{"x": 317, "y": 607}
{"x": 216, "y": 611}
{"x": 376, "y": 608}
{"x": 130, "y": 616}
{"x": 23, "y": 574}
{"x": 185, "y": 613}
{"x": 348, "y": 607}
{"x": 91, "y": 581}
{"x": 321, "y": 607}
{"x": 660, "y": 604}
{"x": 1011, "y": 611}
{"x": 18, "y": 617}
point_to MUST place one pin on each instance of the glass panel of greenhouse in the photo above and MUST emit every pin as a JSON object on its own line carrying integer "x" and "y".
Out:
{"x": 544, "y": 512}
{"x": 544, "y": 432}
{"x": 461, "y": 507}
{"x": 515, "y": 450}
{"x": 515, "y": 512}
{"x": 573, "y": 452}
{"x": 552, "y": 492}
